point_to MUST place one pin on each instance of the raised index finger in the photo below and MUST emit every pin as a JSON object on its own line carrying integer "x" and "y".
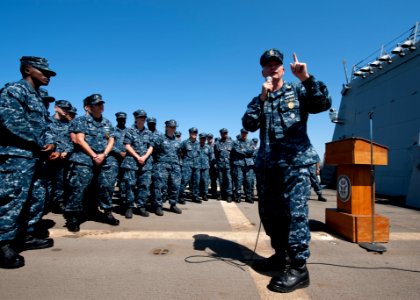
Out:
{"x": 295, "y": 58}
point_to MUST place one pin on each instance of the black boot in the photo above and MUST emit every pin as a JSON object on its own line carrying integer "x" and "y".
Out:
{"x": 9, "y": 258}
{"x": 33, "y": 243}
{"x": 249, "y": 200}
{"x": 73, "y": 222}
{"x": 129, "y": 213}
{"x": 143, "y": 212}
{"x": 195, "y": 199}
{"x": 110, "y": 219}
{"x": 321, "y": 198}
{"x": 175, "y": 209}
{"x": 296, "y": 277}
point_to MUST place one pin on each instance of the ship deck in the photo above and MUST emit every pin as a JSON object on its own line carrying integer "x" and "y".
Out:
{"x": 202, "y": 254}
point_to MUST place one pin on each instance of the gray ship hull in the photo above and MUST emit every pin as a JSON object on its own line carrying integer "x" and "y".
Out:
{"x": 392, "y": 94}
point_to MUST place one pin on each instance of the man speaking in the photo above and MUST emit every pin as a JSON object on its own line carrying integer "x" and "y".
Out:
{"x": 281, "y": 113}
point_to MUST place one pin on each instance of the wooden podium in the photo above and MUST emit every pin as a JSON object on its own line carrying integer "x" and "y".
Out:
{"x": 353, "y": 217}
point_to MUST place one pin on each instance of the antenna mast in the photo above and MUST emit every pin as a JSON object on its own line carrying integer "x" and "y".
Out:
{"x": 345, "y": 71}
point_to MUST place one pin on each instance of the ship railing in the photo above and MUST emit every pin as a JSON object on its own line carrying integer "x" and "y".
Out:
{"x": 399, "y": 46}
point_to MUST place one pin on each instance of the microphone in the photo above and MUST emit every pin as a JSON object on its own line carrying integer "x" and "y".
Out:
{"x": 268, "y": 79}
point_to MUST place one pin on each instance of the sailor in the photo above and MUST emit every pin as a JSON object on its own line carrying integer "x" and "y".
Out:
{"x": 213, "y": 167}
{"x": 58, "y": 165}
{"x": 254, "y": 179}
{"x": 243, "y": 166}
{"x": 119, "y": 150}
{"x": 315, "y": 178}
{"x": 222, "y": 151}
{"x": 137, "y": 165}
{"x": 167, "y": 171}
{"x": 190, "y": 151}
{"x": 22, "y": 128}
{"x": 92, "y": 162}
{"x": 205, "y": 156}
{"x": 280, "y": 112}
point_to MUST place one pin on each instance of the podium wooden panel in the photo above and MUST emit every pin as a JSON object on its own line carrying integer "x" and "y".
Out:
{"x": 355, "y": 151}
{"x": 357, "y": 228}
{"x": 353, "y": 217}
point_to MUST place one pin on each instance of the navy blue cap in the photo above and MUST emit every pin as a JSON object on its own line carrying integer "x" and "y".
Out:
{"x": 37, "y": 62}
{"x": 121, "y": 115}
{"x": 243, "y": 130}
{"x": 193, "y": 129}
{"x": 63, "y": 104}
{"x": 73, "y": 110}
{"x": 223, "y": 130}
{"x": 178, "y": 133}
{"x": 210, "y": 135}
{"x": 45, "y": 96}
{"x": 202, "y": 135}
{"x": 93, "y": 99}
{"x": 171, "y": 123}
{"x": 271, "y": 55}
{"x": 151, "y": 120}
{"x": 140, "y": 113}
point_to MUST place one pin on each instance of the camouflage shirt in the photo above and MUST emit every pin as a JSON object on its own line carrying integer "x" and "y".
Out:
{"x": 190, "y": 153}
{"x": 204, "y": 158}
{"x": 140, "y": 141}
{"x": 168, "y": 149}
{"x": 61, "y": 133}
{"x": 282, "y": 120}
{"x": 22, "y": 120}
{"x": 222, "y": 151}
{"x": 97, "y": 134}
{"x": 242, "y": 153}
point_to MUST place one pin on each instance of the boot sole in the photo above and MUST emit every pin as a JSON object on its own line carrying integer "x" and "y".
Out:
{"x": 12, "y": 266}
{"x": 280, "y": 289}
{"x": 49, "y": 245}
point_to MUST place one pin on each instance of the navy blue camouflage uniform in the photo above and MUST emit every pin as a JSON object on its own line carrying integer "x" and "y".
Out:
{"x": 84, "y": 171}
{"x": 40, "y": 194}
{"x": 118, "y": 149}
{"x": 167, "y": 169}
{"x": 284, "y": 157}
{"x": 137, "y": 178}
{"x": 242, "y": 157}
{"x": 59, "y": 167}
{"x": 22, "y": 131}
{"x": 204, "y": 158}
{"x": 190, "y": 151}
{"x": 222, "y": 150}
{"x": 213, "y": 167}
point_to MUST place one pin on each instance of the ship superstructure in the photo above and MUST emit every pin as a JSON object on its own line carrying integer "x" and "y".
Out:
{"x": 386, "y": 85}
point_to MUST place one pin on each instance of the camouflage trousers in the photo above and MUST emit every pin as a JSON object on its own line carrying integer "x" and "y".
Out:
{"x": 16, "y": 175}
{"x": 192, "y": 176}
{"x": 243, "y": 176}
{"x": 137, "y": 183}
{"x": 283, "y": 206}
{"x": 39, "y": 195}
{"x": 167, "y": 178}
{"x": 314, "y": 180}
{"x": 58, "y": 170}
{"x": 213, "y": 179}
{"x": 204, "y": 182}
{"x": 225, "y": 181}
{"x": 81, "y": 176}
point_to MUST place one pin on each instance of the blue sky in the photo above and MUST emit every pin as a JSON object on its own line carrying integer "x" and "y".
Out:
{"x": 193, "y": 61}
